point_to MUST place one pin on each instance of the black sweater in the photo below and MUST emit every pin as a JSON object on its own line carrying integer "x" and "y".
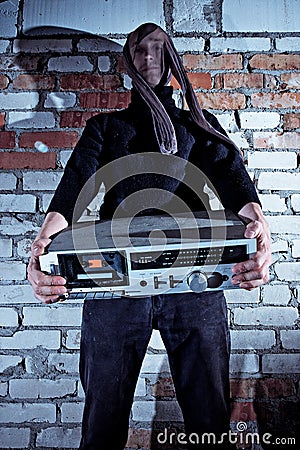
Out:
{"x": 147, "y": 182}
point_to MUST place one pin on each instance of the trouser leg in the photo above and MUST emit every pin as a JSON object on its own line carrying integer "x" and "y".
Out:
{"x": 194, "y": 329}
{"x": 115, "y": 334}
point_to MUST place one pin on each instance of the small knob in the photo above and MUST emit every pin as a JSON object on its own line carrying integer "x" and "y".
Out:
{"x": 197, "y": 281}
{"x": 215, "y": 280}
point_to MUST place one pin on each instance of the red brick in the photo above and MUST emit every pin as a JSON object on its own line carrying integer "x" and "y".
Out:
{"x": 198, "y": 80}
{"x": 27, "y": 160}
{"x": 121, "y": 66}
{"x": 243, "y": 411}
{"x": 164, "y": 387}
{"x": 33, "y": 82}
{"x": 261, "y": 388}
{"x": 270, "y": 82}
{"x": 19, "y": 62}
{"x": 221, "y": 100}
{"x": 291, "y": 121}
{"x": 90, "y": 82}
{"x": 209, "y": 62}
{"x": 139, "y": 438}
{"x": 105, "y": 100}
{"x": 290, "y": 80}
{"x": 275, "y": 100}
{"x": 3, "y": 82}
{"x": 2, "y": 120}
{"x": 53, "y": 139}
{"x": 7, "y": 139}
{"x": 239, "y": 80}
{"x": 275, "y": 62}
{"x": 75, "y": 119}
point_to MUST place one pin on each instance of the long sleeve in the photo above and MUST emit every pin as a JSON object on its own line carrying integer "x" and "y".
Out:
{"x": 224, "y": 167}
{"x": 84, "y": 161}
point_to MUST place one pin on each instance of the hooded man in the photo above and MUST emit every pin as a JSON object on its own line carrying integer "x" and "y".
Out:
{"x": 193, "y": 326}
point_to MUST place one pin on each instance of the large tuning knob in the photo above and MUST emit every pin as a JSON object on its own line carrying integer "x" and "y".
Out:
{"x": 197, "y": 281}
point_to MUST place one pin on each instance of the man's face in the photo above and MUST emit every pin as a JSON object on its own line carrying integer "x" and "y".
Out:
{"x": 148, "y": 58}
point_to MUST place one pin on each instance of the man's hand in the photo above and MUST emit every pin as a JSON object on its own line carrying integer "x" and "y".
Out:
{"x": 47, "y": 288}
{"x": 255, "y": 272}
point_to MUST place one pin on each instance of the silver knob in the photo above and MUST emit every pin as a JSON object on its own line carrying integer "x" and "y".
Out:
{"x": 197, "y": 281}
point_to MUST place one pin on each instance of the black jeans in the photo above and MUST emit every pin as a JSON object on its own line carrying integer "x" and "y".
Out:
{"x": 115, "y": 335}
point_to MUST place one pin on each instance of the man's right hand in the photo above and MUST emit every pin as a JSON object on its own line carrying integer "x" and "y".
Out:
{"x": 47, "y": 288}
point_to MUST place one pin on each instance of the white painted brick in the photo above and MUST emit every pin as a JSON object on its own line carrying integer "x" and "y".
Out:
{"x": 12, "y": 270}
{"x": 242, "y": 44}
{"x": 265, "y": 315}
{"x": 7, "y": 361}
{"x": 288, "y": 271}
{"x": 55, "y": 437}
{"x": 288, "y": 44}
{"x": 227, "y": 121}
{"x": 279, "y": 245}
{"x": 190, "y": 15}
{"x": 16, "y": 294}
{"x": 259, "y": 120}
{"x": 15, "y": 437}
{"x": 8, "y": 181}
{"x": 17, "y": 203}
{"x": 252, "y": 339}
{"x": 5, "y": 248}
{"x": 72, "y": 412}
{"x": 42, "y": 45}
{"x": 267, "y": 139}
{"x": 23, "y": 247}
{"x": 28, "y": 339}
{"x": 295, "y": 202}
{"x": 290, "y": 339}
{"x": 155, "y": 364}
{"x": 21, "y": 100}
{"x": 242, "y": 296}
{"x": 81, "y": 393}
{"x": 4, "y": 45}
{"x": 8, "y": 317}
{"x": 99, "y": 45}
{"x": 64, "y": 156}
{"x": 239, "y": 139}
{"x": 52, "y": 316}
{"x": 281, "y": 363}
{"x": 33, "y": 119}
{"x": 46, "y": 199}
{"x": 8, "y": 18}
{"x": 160, "y": 411}
{"x": 41, "y": 181}
{"x": 27, "y": 412}
{"x": 41, "y": 388}
{"x": 104, "y": 63}
{"x": 284, "y": 224}
{"x": 70, "y": 64}
{"x": 3, "y": 390}
{"x": 276, "y": 294}
{"x": 156, "y": 341}
{"x": 272, "y": 203}
{"x": 64, "y": 362}
{"x": 60, "y": 100}
{"x": 296, "y": 248}
{"x": 279, "y": 181}
{"x": 140, "y": 389}
{"x": 272, "y": 160}
{"x": 191, "y": 44}
{"x": 10, "y": 226}
{"x": 73, "y": 339}
{"x": 244, "y": 363}
{"x": 260, "y": 16}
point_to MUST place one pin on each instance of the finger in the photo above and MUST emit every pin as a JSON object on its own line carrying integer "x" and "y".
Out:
{"x": 253, "y": 229}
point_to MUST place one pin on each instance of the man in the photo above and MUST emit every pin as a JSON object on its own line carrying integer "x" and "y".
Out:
{"x": 115, "y": 334}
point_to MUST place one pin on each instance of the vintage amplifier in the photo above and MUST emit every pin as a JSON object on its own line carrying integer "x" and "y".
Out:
{"x": 149, "y": 255}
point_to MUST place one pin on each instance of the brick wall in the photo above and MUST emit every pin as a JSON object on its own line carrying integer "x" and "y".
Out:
{"x": 244, "y": 67}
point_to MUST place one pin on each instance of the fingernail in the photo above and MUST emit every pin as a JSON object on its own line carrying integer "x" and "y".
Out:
{"x": 36, "y": 250}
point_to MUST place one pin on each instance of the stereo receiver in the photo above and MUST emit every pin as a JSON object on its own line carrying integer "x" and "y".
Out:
{"x": 149, "y": 255}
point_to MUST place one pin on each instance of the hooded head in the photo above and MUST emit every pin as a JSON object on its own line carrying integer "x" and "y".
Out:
{"x": 151, "y": 60}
